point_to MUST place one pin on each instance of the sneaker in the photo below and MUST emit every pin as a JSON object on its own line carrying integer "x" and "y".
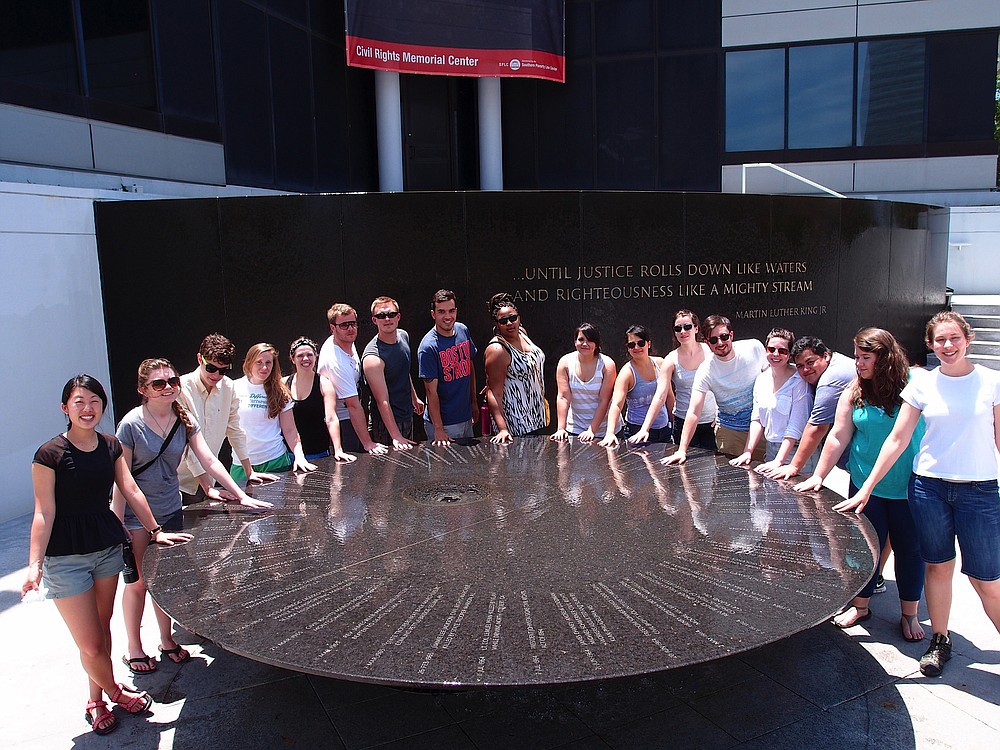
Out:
{"x": 880, "y": 585}
{"x": 932, "y": 662}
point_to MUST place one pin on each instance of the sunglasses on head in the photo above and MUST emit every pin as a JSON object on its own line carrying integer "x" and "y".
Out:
{"x": 390, "y": 315}
{"x": 683, "y": 327}
{"x": 641, "y": 343}
{"x": 210, "y": 368}
{"x": 508, "y": 319}
{"x": 713, "y": 340}
{"x": 160, "y": 384}
{"x": 777, "y": 350}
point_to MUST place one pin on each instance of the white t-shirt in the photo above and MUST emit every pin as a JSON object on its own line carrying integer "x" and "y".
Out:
{"x": 341, "y": 369}
{"x": 958, "y": 412}
{"x": 732, "y": 382}
{"x": 782, "y": 414}
{"x": 264, "y": 439}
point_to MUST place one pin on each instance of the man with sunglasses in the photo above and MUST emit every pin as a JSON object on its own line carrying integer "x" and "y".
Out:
{"x": 829, "y": 373}
{"x": 340, "y": 364}
{"x": 728, "y": 375}
{"x": 386, "y": 364}
{"x": 207, "y": 392}
{"x": 444, "y": 362}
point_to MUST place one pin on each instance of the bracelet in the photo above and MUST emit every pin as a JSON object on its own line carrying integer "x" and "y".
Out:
{"x": 154, "y": 531}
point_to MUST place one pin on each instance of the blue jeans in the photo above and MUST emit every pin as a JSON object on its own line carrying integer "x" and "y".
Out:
{"x": 943, "y": 510}
{"x": 893, "y": 519}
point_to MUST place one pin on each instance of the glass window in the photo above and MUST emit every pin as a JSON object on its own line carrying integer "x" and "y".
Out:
{"x": 755, "y": 100}
{"x": 119, "y": 52}
{"x": 890, "y": 92}
{"x": 820, "y": 96}
{"x": 37, "y": 45}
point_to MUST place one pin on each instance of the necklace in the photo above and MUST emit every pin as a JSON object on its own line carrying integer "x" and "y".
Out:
{"x": 161, "y": 430}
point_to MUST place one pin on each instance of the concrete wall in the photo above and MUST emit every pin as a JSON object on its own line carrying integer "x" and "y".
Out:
{"x": 51, "y": 322}
{"x": 747, "y": 22}
{"x": 975, "y": 250}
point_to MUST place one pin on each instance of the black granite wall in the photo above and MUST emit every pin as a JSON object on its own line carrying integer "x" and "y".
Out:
{"x": 266, "y": 269}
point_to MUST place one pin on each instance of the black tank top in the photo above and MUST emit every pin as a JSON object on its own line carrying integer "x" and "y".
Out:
{"x": 310, "y": 419}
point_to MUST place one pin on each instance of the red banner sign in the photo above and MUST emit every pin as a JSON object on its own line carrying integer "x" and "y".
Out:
{"x": 520, "y": 38}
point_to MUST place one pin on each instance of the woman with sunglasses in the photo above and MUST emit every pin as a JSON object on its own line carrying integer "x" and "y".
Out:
{"x": 314, "y": 404}
{"x": 781, "y": 405}
{"x": 154, "y": 437}
{"x": 675, "y": 381}
{"x": 76, "y": 541}
{"x": 635, "y": 390}
{"x": 586, "y": 380}
{"x": 515, "y": 390}
{"x": 867, "y": 411}
{"x": 266, "y": 416}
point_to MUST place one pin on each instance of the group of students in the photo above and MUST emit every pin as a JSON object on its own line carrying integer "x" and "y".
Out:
{"x": 920, "y": 446}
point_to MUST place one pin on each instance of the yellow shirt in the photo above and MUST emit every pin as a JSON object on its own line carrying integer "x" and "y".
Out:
{"x": 217, "y": 411}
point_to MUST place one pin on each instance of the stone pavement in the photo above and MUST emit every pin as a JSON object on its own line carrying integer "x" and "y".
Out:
{"x": 821, "y": 688}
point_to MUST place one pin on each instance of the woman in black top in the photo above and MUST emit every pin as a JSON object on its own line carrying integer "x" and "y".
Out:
{"x": 76, "y": 540}
{"x": 314, "y": 404}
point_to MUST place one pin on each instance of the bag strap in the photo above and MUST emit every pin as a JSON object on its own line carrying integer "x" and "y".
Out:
{"x": 166, "y": 442}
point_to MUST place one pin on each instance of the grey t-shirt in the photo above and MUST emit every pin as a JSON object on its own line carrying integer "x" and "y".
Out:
{"x": 396, "y": 358}
{"x": 159, "y": 483}
{"x": 839, "y": 374}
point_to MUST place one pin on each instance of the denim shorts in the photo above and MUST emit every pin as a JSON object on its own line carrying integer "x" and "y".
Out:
{"x": 943, "y": 510}
{"x": 69, "y": 575}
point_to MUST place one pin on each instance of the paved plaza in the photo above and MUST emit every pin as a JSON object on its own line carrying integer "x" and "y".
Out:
{"x": 822, "y": 688}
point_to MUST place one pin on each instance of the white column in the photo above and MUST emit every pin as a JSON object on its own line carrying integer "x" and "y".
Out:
{"x": 389, "y": 123}
{"x": 490, "y": 135}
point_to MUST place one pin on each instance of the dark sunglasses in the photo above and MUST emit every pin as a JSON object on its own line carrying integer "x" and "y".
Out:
{"x": 777, "y": 350}
{"x": 347, "y": 325}
{"x": 713, "y": 340}
{"x": 160, "y": 384}
{"x": 209, "y": 367}
{"x": 633, "y": 344}
{"x": 683, "y": 327}
{"x": 508, "y": 319}
{"x": 384, "y": 315}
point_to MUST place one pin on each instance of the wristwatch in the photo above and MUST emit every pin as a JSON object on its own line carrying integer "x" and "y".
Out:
{"x": 154, "y": 531}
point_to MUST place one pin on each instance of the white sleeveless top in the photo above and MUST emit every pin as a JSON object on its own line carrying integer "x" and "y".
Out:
{"x": 586, "y": 397}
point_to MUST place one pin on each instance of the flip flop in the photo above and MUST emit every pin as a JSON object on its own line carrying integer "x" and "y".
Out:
{"x": 178, "y": 654}
{"x": 147, "y": 660}
{"x": 911, "y": 619}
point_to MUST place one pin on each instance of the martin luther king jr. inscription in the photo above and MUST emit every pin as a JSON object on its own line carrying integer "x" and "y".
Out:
{"x": 534, "y": 563}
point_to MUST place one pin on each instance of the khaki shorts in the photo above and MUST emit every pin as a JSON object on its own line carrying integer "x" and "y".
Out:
{"x": 730, "y": 442}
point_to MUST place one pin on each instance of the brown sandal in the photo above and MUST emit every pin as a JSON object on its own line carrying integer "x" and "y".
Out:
{"x": 137, "y": 704}
{"x": 100, "y": 723}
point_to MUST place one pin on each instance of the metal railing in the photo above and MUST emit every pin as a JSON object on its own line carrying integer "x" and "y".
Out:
{"x": 790, "y": 173}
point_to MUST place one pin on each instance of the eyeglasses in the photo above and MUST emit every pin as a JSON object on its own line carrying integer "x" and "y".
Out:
{"x": 641, "y": 343}
{"x": 683, "y": 327}
{"x": 777, "y": 350}
{"x": 390, "y": 315}
{"x": 507, "y": 319}
{"x": 160, "y": 384}
{"x": 347, "y": 325}
{"x": 713, "y": 340}
{"x": 210, "y": 368}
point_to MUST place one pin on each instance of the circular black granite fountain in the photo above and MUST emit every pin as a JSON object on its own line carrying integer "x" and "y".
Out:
{"x": 534, "y": 563}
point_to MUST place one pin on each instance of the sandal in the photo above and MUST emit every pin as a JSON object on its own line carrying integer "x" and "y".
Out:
{"x": 911, "y": 622}
{"x": 105, "y": 722}
{"x": 178, "y": 654}
{"x": 137, "y": 704}
{"x": 857, "y": 620}
{"x": 146, "y": 660}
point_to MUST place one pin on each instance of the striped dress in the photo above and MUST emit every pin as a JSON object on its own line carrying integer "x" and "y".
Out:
{"x": 524, "y": 407}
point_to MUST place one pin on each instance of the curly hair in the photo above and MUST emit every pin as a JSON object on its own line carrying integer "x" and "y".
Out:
{"x": 217, "y": 348}
{"x": 277, "y": 392}
{"x": 891, "y": 371}
{"x": 499, "y": 301}
{"x": 145, "y": 368}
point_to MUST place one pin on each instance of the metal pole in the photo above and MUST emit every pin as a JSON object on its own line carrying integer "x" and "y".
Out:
{"x": 389, "y": 124}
